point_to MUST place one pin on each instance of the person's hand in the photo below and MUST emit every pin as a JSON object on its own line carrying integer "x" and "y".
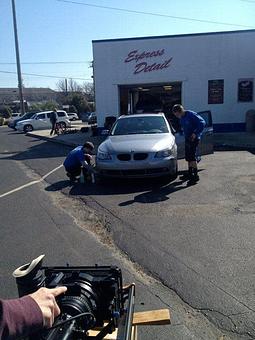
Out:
{"x": 193, "y": 137}
{"x": 45, "y": 298}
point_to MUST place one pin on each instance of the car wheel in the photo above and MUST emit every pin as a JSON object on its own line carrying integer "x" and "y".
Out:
{"x": 174, "y": 176}
{"x": 28, "y": 128}
{"x": 62, "y": 125}
{"x": 100, "y": 179}
{"x": 170, "y": 178}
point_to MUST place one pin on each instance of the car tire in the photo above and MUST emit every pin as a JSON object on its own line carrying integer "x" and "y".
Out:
{"x": 172, "y": 177}
{"x": 28, "y": 128}
{"x": 62, "y": 125}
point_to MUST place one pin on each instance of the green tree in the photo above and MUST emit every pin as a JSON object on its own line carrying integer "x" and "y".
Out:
{"x": 6, "y": 112}
{"x": 72, "y": 108}
{"x": 51, "y": 105}
{"x": 47, "y": 106}
{"x": 79, "y": 101}
{"x": 35, "y": 107}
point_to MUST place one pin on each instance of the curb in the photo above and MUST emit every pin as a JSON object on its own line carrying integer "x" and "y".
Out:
{"x": 232, "y": 147}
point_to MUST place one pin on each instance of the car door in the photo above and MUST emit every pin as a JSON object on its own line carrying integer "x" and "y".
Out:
{"x": 61, "y": 116}
{"x": 41, "y": 121}
{"x": 206, "y": 143}
{"x": 176, "y": 129}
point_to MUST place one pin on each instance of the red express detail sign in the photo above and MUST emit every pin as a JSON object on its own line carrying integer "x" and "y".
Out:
{"x": 146, "y": 66}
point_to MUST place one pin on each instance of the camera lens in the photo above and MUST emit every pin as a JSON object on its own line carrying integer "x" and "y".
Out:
{"x": 29, "y": 277}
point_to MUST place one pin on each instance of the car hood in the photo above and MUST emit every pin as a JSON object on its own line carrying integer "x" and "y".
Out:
{"x": 25, "y": 121}
{"x": 137, "y": 143}
{"x": 14, "y": 119}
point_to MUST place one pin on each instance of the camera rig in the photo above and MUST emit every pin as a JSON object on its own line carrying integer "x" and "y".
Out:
{"x": 95, "y": 298}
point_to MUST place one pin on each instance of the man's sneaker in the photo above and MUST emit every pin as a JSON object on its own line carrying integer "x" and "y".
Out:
{"x": 193, "y": 180}
{"x": 196, "y": 178}
{"x": 185, "y": 176}
{"x": 72, "y": 178}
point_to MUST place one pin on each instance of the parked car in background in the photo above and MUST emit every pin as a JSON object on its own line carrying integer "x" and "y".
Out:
{"x": 16, "y": 114}
{"x": 92, "y": 119}
{"x": 13, "y": 122}
{"x": 41, "y": 121}
{"x": 73, "y": 116}
{"x": 138, "y": 146}
{"x": 84, "y": 116}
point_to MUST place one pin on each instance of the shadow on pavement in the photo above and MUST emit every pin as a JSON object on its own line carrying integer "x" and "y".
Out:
{"x": 156, "y": 194}
{"x": 42, "y": 150}
{"x": 107, "y": 187}
{"x": 150, "y": 191}
{"x": 59, "y": 185}
{"x": 117, "y": 186}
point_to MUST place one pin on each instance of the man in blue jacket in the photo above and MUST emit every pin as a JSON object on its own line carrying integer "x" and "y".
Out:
{"x": 192, "y": 125}
{"x": 78, "y": 160}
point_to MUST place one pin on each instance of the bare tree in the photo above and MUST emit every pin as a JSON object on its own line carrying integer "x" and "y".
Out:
{"x": 73, "y": 86}
{"x": 68, "y": 85}
{"x": 88, "y": 90}
{"x": 61, "y": 85}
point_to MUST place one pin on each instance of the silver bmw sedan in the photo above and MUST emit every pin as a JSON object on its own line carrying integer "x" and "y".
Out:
{"x": 140, "y": 145}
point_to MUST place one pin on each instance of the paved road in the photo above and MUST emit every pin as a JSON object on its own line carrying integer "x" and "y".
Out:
{"x": 34, "y": 220}
{"x": 198, "y": 240}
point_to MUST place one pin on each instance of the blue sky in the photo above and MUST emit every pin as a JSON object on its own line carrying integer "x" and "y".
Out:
{"x": 62, "y": 31}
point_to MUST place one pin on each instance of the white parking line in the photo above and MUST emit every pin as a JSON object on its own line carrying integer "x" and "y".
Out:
{"x": 30, "y": 183}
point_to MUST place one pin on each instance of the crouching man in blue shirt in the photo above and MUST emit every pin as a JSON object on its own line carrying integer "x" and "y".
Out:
{"x": 79, "y": 159}
{"x": 192, "y": 125}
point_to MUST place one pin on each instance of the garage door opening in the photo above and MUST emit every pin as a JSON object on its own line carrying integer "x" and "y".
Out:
{"x": 149, "y": 98}
{"x": 250, "y": 121}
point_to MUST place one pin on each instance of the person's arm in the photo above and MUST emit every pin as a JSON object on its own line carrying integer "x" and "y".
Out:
{"x": 81, "y": 157}
{"x": 85, "y": 161}
{"x": 199, "y": 124}
{"x": 30, "y": 313}
{"x": 19, "y": 317}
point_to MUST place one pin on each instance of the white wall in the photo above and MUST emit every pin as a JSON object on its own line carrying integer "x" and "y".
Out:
{"x": 195, "y": 60}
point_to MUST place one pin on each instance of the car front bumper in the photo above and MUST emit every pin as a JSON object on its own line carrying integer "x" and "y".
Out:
{"x": 138, "y": 169}
{"x": 20, "y": 128}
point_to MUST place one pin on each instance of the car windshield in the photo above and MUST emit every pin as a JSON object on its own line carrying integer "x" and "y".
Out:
{"x": 140, "y": 125}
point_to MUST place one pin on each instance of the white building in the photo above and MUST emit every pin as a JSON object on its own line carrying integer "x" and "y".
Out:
{"x": 205, "y": 71}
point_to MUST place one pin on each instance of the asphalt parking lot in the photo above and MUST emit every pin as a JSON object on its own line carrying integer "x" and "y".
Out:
{"x": 198, "y": 240}
{"x": 37, "y": 219}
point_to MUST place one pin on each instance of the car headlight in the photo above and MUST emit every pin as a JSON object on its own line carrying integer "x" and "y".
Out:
{"x": 165, "y": 153}
{"x": 103, "y": 156}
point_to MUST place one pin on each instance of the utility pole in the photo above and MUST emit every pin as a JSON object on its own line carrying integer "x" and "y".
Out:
{"x": 22, "y": 107}
{"x": 66, "y": 87}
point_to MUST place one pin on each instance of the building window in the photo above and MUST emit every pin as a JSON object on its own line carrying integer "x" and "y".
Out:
{"x": 245, "y": 90}
{"x": 216, "y": 91}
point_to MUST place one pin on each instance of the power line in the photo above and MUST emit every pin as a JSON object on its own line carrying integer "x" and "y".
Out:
{"x": 48, "y": 62}
{"x": 155, "y": 14}
{"x": 45, "y": 76}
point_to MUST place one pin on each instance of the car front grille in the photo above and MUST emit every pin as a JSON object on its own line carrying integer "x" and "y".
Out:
{"x": 135, "y": 172}
{"x": 138, "y": 156}
{"x": 124, "y": 156}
